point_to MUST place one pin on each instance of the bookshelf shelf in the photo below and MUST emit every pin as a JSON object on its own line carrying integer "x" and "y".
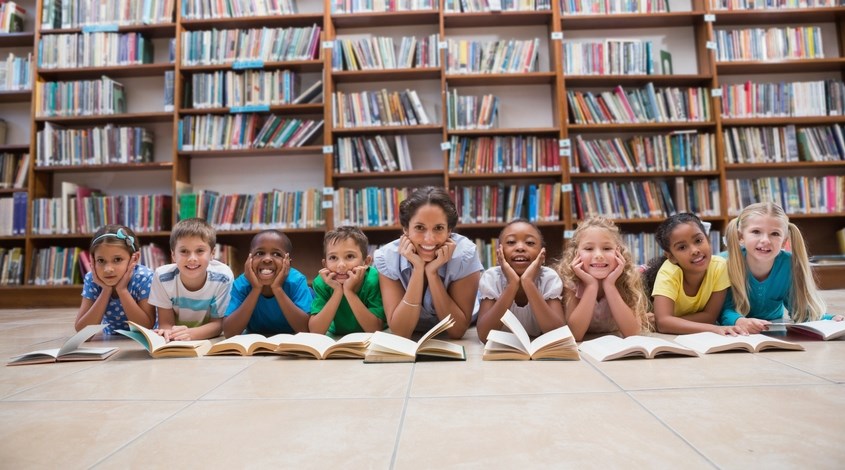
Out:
{"x": 387, "y": 174}
{"x": 491, "y": 79}
{"x": 398, "y": 18}
{"x": 109, "y": 118}
{"x": 826, "y": 215}
{"x": 364, "y": 76}
{"x": 17, "y": 96}
{"x": 508, "y": 175}
{"x": 295, "y": 65}
{"x": 122, "y": 71}
{"x": 636, "y": 80}
{"x": 87, "y": 236}
{"x": 286, "y": 109}
{"x": 783, "y": 120}
{"x": 503, "y": 18}
{"x": 262, "y": 152}
{"x": 782, "y": 66}
{"x": 389, "y": 130}
{"x": 657, "y": 220}
{"x": 5, "y": 191}
{"x": 25, "y": 39}
{"x": 631, "y": 20}
{"x": 646, "y": 174}
{"x": 14, "y": 148}
{"x": 645, "y": 126}
{"x": 538, "y": 131}
{"x": 778, "y": 16}
{"x": 250, "y": 233}
{"x": 164, "y": 30}
{"x": 155, "y": 166}
{"x": 783, "y": 166}
{"x": 500, "y": 225}
{"x": 305, "y": 19}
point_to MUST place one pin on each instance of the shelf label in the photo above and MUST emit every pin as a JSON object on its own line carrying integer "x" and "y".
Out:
{"x": 565, "y": 152}
{"x": 716, "y": 92}
{"x": 252, "y": 108}
{"x": 328, "y": 191}
{"x": 100, "y": 28}
{"x": 248, "y": 64}
{"x": 564, "y": 143}
{"x": 328, "y": 44}
{"x": 710, "y": 18}
{"x": 568, "y": 233}
{"x": 328, "y": 149}
{"x": 566, "y": 188}
{"x": 443, "y": 45}
{"x": 557, "y": 35}
{"x": 327, "y": 204}
{"x": 711, "y": 45}
{"x": 445, "y": 146}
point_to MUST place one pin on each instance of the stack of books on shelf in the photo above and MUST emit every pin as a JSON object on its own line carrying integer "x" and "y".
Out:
{"x": 503, "y": 154}
{"x": 109, "y": 144}
{"x": 54, "y": 266}
{"x": 602, "y": 7}
{"x": 471, "y": 112}
{"x": 13, "y": 170}
{"x": 784, "y": 144}
{"x": 502, "y": 56}
{"x": 679, "y": 151}
{"x": 501, "y": 203}
{"x": 609, "y": 57}
{"x": 13, "y": 214}
{"x": 153, "y": 256}
{"x": 803, "y": 42}
{"x": 478, "y": 6}
{"x": 250, "y": 48}
{"x": 753, "y": 100}
{"x": 372, "y": 154}
{"x": 629, "y": 200}
{"x": 369, "y": 6}
{"x": 671, "y": 104}
{"x": 81, "y": 97}
{"x": 83, "y": 210}
{"x": 368, "y": 207}
{"x": 251, "y": 88}
{"x": 12, "y": 17}
{"x": 381, "y": 53}
{"x": 11, "y": 266}
{"x": 770, "y": 4}
{"x": 244, "y": 131}
{"x": 198, "y": 10}
{"x": 16, "y": 73}
{"x": 276, "y": 209}
{"x": 796, "y": 194}
{"x": 64, "y": 51}
{"x": 487, "y": 251}
{"x": 68, "y": 14}
{"x": 378, "y": 108}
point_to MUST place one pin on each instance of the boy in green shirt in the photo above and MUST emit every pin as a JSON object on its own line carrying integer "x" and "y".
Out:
{"x": 348, "y": 298}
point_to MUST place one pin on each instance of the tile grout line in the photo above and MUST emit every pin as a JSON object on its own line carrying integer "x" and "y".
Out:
{"x": 395, "y": 453}
{"x": 802, "y": 370}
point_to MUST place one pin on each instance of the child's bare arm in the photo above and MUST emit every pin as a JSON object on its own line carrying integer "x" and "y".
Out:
{"x": 667, "y": 322}
{"x": 579, "y": 312}
{"x": 547, "y": 312}
{"x": 401, "y": 307}
{"x": 321, "y": 322}
{"x": 91, "y": 311}
{"x": 491, "y": 311}
{"x": 369, "y": 322}
{"x": 209, "y": 330}
{"x": 235, "y": 323}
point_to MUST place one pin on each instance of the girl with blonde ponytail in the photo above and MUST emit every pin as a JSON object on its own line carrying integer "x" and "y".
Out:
{"x": 767, "y": 280}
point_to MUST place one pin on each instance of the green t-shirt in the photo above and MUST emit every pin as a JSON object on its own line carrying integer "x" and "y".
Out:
{"x": 344, "y": 320}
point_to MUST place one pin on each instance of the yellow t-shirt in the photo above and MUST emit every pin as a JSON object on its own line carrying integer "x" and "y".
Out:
{"x": 670, "y": 283}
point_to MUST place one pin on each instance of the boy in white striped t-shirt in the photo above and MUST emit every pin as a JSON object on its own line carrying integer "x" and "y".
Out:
{"x": 192, "y": 293}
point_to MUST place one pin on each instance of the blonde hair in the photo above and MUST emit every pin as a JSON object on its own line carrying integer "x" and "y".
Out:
{"x": 629, "y": 283}
{"x": 805, "y": 300}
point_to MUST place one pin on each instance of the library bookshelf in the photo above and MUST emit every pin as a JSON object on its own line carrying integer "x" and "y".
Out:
{"x": 537, "y": 108}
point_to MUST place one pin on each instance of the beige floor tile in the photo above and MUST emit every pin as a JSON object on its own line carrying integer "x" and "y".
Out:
{"x": 478, "y": 377}
{"x": 711, "y": 370}
{"x": 15, "y": 379}
{"x": 757, "y": 427}
{"x": 147, "y": 379}
{"x": 576, "y": 431}
{"x": 271, "y": 434}
{"x": 824, "y": 358}
{"x": 73, "y": 435}
{"x": 304, "y": 378}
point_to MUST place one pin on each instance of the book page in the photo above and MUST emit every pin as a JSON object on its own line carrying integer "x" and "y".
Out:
{"x": 651, "y": 344}
{"x": 606, "y": 346}
{"x": 80, "y": 337}
{"x": 826, "y": 328}
{"x": 506, "y": 339}
{"x": 557, "y": 335}
{"x": 760, "y": 342}
{"x": 393, "y": 343}
{"x": 444, "y": 325}
{"x": 710, "y": 342}
{"x": 513, "y": 324}
{"x": 355, "y": 338}
{"x": 438, "y": 347}
{"x": 319, "y": 342}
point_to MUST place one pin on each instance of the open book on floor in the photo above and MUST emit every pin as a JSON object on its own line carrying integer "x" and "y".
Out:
{"x": 247, "y": 345}
{"x": 70, "y": 351}
{"x": 313, "y": 345}
{"x": 158, "y": 347}
{"x": 387, "y": 347}
{"x": 824, "y": 329}
{"x": 707, "y": 342}
{"x": 608, "y": 348}
{"x": 558, "y": 344}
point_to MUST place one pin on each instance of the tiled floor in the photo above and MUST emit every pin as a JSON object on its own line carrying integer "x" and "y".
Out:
{"x": 738, "y": 410}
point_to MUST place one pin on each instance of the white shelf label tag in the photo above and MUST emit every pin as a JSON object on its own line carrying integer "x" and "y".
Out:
{"x": 565, "y": 152}
{"x": 443, "y": 45}
{"x": 328, "y": 149}
{"x": 568, "y": 233}
{"x": 445, "y": 146}
{"x": 716, "y": 92}
{"x": 327, "y": 205}
{"x": 328, "y": 44}
{"x": 711, "y": 45}
{"x": 557, "y": 35}
{"x": 328, "y": 191}
{"x": 566, "y": 188}
{"x": 710, "y": 18}
{"x": 564, "y": 143}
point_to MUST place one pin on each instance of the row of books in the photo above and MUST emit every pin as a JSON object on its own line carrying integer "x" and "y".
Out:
{"x": 81, "y": 97}
{"x": 275, "y": 209}
{"x": 378, "y": 108}
{"x": 65, "y": 51}
{"x": 250, "y": 47}
{"x": 818, "y": 98}
{"x": 242, "y": 89}
{"x": 770, "y": 4}
{"x": 68, "y": 14}
{"x": 368, "y": 207}
{"x": 16, "y": 73}
{"x": 11, "y": 266}
{"x": 784, "y": 144}
{"x": 55, "y": 266}
{"x": 109, "y": 144}
{"x": 646, "y": 199}
{"x": 12, "y": 17}
{"x": 644, "y": 247}
{"x": 671, "y": 104}
{"x": 501, "y": 203}
{"x": 503, "y": 154}
{"x": 796, "y": 194}
{"x": 368, "y": 6}
{"x": 477, "y": 6}
{"x": 245, "y": 131}
{"x": 200, "y": 9}
{"x": 501, "y": 56}
{"x": 680, "y": 151}
{"x": 86, "y": 210}
{"x": 14, "y": 169}
{"x": 471, "y": 112}
{"x": 13, "y": 214}
{"x": 603, "y": 7}
{"x": 372, "y": 154}
{"x": 381, "y": 53}
{"x": 802, "y": 42}
{"x": 609, "y": 57}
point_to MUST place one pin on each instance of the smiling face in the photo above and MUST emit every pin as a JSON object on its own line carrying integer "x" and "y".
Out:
{"x": 597, "y": 250}
{"x": 111, "y": 263}
{"x": 763, "y": 237}
{"x": 268, "y": 252}
{"x": 689, "y": 248}
{"x": 521, "y": 244}
{"x": 192, "y": 255}
{"x": 342, "y": 256}
{"x": 428, "y": 230}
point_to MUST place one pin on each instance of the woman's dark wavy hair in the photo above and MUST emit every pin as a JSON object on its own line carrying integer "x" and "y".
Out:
{"x": 433, "y": 195}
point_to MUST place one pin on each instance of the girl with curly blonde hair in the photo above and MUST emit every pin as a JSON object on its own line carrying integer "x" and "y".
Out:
{"x": 602, "y": 288}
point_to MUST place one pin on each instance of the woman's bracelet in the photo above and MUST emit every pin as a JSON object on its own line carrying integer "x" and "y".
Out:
{"x": 409, "y": 303}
